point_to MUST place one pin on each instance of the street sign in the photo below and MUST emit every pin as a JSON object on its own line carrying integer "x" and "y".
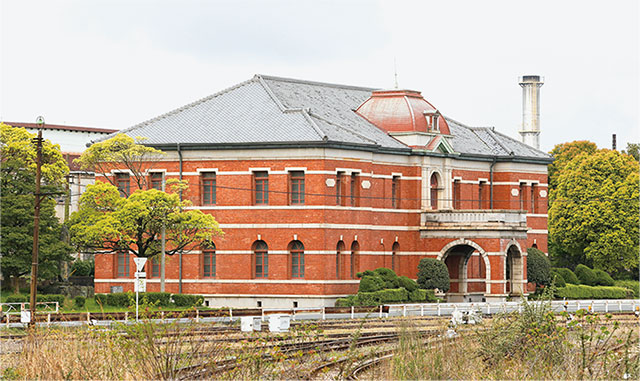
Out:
{"x": 140, "y": 285}
{"x": 140, "y": 261}
{"x": 25, "y": 316}
{"x": 140, "y": 274}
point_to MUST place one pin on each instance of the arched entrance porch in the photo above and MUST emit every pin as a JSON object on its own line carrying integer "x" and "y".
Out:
{"x": 469, "y": 271}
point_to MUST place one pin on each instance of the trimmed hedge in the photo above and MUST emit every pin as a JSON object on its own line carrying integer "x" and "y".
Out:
{"x": 632, "y": 285}
{"x": 162, "y": 299}
{"x": 586, "y": 275}
{"x": 408, "y": 283}
{"x": 603, "y": 279}
{"x": 21, "y": 298}
{"x": 418, "y": 295}
{"x": 581, "y": 291}
{"x": 388, "y": 276}
{"x": 186, "y": 300}
{"x": 371, "y": 283}
{"x": 567, "y": 275}
{"x": 432, "y": 274}
{"x": 538, "y": 267}
{"x": 558, "y": 280}
{"x": 376, "y": 298}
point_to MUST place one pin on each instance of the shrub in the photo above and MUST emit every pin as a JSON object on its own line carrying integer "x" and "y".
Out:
{"x": 162, "y": 299}
{"x": 79, "y": 301}
{"x": 586, "y": 275}
{"x": 388, "y": 276}
{"x": 418, "y": 295}
{"x": 367, "y": 299}
{"x": 17, "y": 298}
{"x": 363, "y": 273}
{"x": 572, "y": 291}
{"x": 101, "y": 299}
{"x": 119, "y": 299}
{"x": 82, "y": 268}
{"x": 346, "y": 302}
{"x": 431, "y": 296}
{"x": 433, "y": 273}
{"x": 603, "y": 279}
{"x": 395, "y": 295}
{"x": 538, "y": 267}
{"x": 567, "y": 275}
{"x": 371, "y": 283}
{"x": 182, "y": 300}
{"x": 408, "y": 283}
{"x": 558, "y": 280}
{"x": 632, "y": 285}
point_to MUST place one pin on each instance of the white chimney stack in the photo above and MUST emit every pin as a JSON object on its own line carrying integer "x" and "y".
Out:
{"x": 530, "y": 129}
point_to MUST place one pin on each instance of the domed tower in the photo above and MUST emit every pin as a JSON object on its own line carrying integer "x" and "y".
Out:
{"x": 408, "y": 117}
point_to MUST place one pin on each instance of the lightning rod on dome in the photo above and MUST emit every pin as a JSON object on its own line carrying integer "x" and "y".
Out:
{"x": 395, "y": 71}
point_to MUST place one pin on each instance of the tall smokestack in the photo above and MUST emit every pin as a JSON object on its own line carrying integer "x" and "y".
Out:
{"x": 530, "y": 129}
{"x": 613, "y": 142}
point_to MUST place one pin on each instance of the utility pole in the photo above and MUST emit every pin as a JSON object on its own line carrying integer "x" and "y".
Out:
{"x": 36, "y": 223}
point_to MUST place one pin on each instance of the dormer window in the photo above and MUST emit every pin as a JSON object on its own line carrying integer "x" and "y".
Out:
{"x": 433, "y": 120}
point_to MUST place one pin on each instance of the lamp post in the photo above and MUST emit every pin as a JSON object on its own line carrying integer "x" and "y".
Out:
{"x": 36, "y": 223}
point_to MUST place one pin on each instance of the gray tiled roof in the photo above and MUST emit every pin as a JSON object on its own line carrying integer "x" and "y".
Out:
{"x": 275, "y": 110}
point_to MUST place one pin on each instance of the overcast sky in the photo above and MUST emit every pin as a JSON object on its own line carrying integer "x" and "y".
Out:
{"x": 113, "y": 64}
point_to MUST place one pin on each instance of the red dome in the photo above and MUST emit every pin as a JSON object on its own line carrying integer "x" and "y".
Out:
{"x": 402, "y": 111}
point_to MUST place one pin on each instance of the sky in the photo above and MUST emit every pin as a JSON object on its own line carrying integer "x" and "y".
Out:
{"x": 113, "y": 64}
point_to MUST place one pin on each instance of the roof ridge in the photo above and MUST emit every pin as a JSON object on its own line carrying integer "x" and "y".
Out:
{"x": 306, "y": 113}
{"x": 187, "y": 106}
{"x": 271, "y": 93}
{"x": 342, "y": 127}
{"x": 519, "y": 142}
{"x": 315, "y": 83}
{"x": 493, "y": 136}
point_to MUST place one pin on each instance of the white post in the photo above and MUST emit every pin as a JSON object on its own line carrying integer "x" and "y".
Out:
{"x": 488, "y": 308}
{"x": 136, "y": 299}
{"x": 48, "y": 319}
{"x": 262, "y": 313}
{"x": 323, "y": 312}
{"x": 230, "y": 314}
{"x": 351, "y": 312}
{"x": 606, "y": 306}
{"x": 619, "y": 306}
{"x": 57, "y": 307}
{"x": 404, "y": 310}
{"x": 438, "y": 308}
{"x": 162, "y": 245}
{"x": 380, "y": 315}
{"x": 422, "y": 310}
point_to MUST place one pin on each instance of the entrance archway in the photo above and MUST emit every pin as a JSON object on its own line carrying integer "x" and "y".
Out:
{"x": 469, "y": 270}
{"x": 514, "y": 271}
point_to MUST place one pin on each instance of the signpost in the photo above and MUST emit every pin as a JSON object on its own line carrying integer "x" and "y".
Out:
{"x": 140, "y": 283}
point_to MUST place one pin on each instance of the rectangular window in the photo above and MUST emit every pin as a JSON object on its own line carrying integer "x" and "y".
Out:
{"x": 155, "y": 266}
{"x": 456, "y": 194}
{"x": 122, "y": 183}
{"x": 208, "y": 188}
{"x": 297, "y": 264}
{"x": 209, "y": 267}
{"x": 355, "y": 197}
{"x": 481, "y": 186}
{"x": 523, "y": 205}
{"x": 262, "y": 263}
{"x": 296, "y": 185}
{"x": 339, "y": 188}
{"x": 123, "y": 265}
{"x": 534, "y": 199}
{"x": 156, "y": 180}
{"x": 261, "y": 186}
{"x": 395, "y": 192}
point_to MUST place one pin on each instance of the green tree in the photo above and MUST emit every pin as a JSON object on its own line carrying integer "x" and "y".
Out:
{"x": 109, "y": 223}
{"x": 432, "y": 274}
{"x": 632, "y": 150}
{"x": 538, "y": 267}
{"x": 563, "y": 154}
{"x": 118, "y": 152}
{"x": 17, "y": 186}
{"x": 594, "y": 215}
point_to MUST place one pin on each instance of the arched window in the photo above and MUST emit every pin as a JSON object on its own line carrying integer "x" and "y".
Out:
{"x": 434, "y": 191}
{"x": 296, "y": 250}
{"x": 394, "y": 255}
{"x": 339, "y": 250}
{"x": 209, "y": 261}
{"x": 355, "y": 248}
{"x": 260, "y": 259}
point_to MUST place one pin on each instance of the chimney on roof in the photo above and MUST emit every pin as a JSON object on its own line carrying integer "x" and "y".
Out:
{"x": 530, "y": 129}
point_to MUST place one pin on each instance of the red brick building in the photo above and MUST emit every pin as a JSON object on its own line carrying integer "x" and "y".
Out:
{"x": 314, "y": 182}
